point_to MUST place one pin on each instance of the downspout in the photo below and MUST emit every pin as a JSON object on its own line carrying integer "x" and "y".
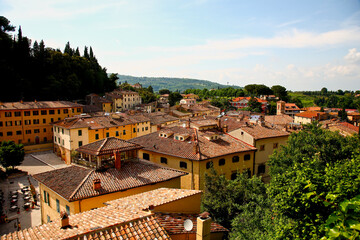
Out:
{"x": 80, "y": 206}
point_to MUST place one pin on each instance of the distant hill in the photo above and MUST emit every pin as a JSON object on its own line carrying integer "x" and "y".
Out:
{"x": 172, "y": 84}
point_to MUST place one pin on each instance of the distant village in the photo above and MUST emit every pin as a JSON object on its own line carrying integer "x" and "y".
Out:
{"x": 138, "y": 170}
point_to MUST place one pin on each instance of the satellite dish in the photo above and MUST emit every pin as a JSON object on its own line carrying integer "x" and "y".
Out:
{"x": 188, "y": 225}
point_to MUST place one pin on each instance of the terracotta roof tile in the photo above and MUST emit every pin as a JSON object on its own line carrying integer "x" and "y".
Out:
{"x": 75, "y": 182}
{"x": 107, "y": 146}
{"x": 96, "y": 122}
{"x": 174, "y": 223}
{"x": 259, "y": 132}
{"x": 124, "y": 218}
{"x": 185, "y": 149}
{"x": 38, "y": 105}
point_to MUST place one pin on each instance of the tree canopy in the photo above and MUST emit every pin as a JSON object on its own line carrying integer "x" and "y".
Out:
{"x": 48, "y": 74}
{"x": 11, "y": 154}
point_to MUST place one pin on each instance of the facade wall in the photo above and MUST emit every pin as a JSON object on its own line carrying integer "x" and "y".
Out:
{"x": 302, "y": 120}
{"x": 188, "y": 205}
{"x": 262, "y": 156}
{"x": 32, "y": 126}
{"x": 50, "y": 210}
{"x": 143, "y": 128}
{"x": 197, "y": 169}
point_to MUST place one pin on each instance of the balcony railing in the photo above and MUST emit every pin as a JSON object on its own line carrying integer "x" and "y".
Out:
{"x": 105, "y": 163}
{"x": 84, "y": 162}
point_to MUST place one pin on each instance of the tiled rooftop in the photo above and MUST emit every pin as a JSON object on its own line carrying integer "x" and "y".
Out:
{"x": 174, "y": 223}
{"x": 278, "y": 119}
{"x": 37, "y": 105}
{"x": 160, "y": 118}
{"x": 124, "y": 218}
{"x": 107, "y": 146}
{"x": 99, "y": 122}
{"x": 75, "y": 182}
{"x": 309, "y": 114}
{"x": 185, "y": 149}
{"x": 259, "y": 132}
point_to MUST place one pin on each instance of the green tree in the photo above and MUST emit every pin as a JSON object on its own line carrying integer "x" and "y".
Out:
{"x": 280, "y": 92}
{"x": 174, "y": 97}
{"x": 314, "y": 164}
{"x": 11, "y": 154}
{"x": 164, "y": 91}
{"x": 150, "y": 89}
{"x": 324, "y": 91}
{"x": 254, "y": 105}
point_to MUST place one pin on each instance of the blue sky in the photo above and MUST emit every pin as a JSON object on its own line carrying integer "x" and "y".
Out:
{"x": 302, "y": 45}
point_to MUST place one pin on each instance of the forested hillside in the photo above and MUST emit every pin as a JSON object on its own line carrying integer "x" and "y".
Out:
{"x": 173, "y": 84}
{"x": 31, "y": 71}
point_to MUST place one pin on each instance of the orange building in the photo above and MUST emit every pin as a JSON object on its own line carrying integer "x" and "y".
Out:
{"x": 30, "y": 122}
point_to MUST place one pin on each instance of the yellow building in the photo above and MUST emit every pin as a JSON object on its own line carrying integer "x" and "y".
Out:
{"x": 123, "y": 100}
{"x": 156, "y": 214}
{"x": 112, "y": 171}
{"x": 71, "y": 133}
{"x": 195, "y": 148}
{"x": 30, "y": 122}
{"x": 260, "y": 135}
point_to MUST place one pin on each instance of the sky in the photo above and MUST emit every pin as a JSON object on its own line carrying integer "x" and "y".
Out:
{"x": 302, "y": 45}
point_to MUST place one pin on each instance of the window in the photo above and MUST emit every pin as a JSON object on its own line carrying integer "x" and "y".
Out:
{"x": 45, "y": 139}
{"x": 36, "y": 121}
{"x": 163, "y": 160}
{"x": 96, "y": 136}
{"x": 46, "y": 198}
{"x": 36, "y": 130}
{"x": 43, "y": 112}
{"x": 134, "y": 130}
{"x": 261, "y": 169}
{"x": 35, "y": 113}
{"x": 57, "y": 205}
{"x": 65, "y": 111}
{"x": 73, "y": 110}
{"x": 117, "y": 133}
{"x": 58, "y": 129}
{"x": 17, "y": 123}
{"x": 44, "y": 130}
{"x": 262, "y": 147}
{"x": 209, "y": 165}
{"x": 146, "y": 128}
{"x": 58, "y": 111}
{"x": 275, "y": 145}
{"x": 222, "y": 162}
{"x": 78, "y": 110}
{"x": 27, "y": 122}
{"x": 51, "y": 120}
{"x": 1, "y": 124}
{"x": 67, "y": 209}
{"x": 7, "y": 114}
{"x": 235, "y": 159}
{"x": 51, "y": 112}
{"x": 124, "y": 132}
{"x": 107, "y": 134}
{"x": 142, "y": 129}
{"x": 59, "y": 119}
{"x": 1, "y": 134}
{"x": 9, "y": 134}
{"x": 18, "y": 132}
{"x": 27, "y": 113}
{"x": 233, "y": 175}
{"x": 17, "y": 114}
{"x": 79, "y": 132}
{"x": 44, "y": 120}
{"x": 62, "y": 131}
{"x": 183, "y": 165}
{"x": 247, "y": 157}
{"x": 8, "y": 123}
{"x": 146, "y": 156}
{"x": 80, "y": 143}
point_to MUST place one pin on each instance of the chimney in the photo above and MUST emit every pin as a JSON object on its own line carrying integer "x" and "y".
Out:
{"x": 218, "y": 123}
{"x": 203, "y": 226}
{"x": 96, "y": 184}
{"x": 117, "y": 161}
{"x": 21, "y": 101}
{"x": 225, "y": 128}
{"x": 188, "y": 123}
{"x": 64, "y": 220}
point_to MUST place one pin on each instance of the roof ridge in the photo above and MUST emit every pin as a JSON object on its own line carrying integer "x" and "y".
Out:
{"x": 80, "y": 185}
{"x": 102, "y": 145}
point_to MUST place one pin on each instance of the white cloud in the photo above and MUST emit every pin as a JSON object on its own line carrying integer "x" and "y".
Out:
{"x": 353, "y": 56}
